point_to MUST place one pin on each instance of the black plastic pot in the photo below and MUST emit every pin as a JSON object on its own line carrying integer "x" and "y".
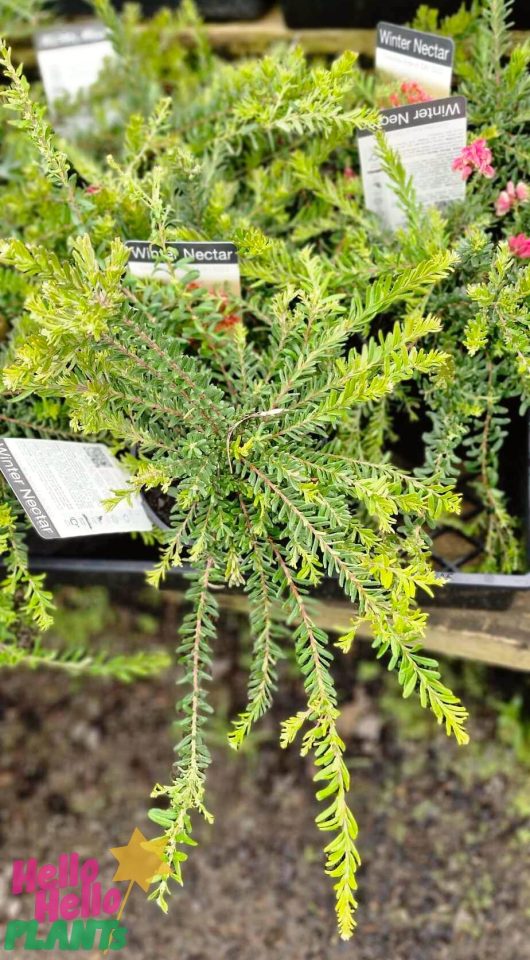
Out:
{"x": 108, "y": 558}
{"x": 73, "y": 8}
{"x": 521, "y": 14}
{"x": 209, "y": 9}
{"x": 233, "y": 9}
{"x": 365, "y": 13}
{"x": 354, "y": 13}
{"x": 119, "y": 559}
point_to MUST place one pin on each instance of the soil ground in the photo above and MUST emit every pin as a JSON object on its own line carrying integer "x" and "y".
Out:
{"x": 445, "y": 832}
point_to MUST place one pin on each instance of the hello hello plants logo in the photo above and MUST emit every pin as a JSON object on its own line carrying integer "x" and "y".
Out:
{"x": 72, "y": 908}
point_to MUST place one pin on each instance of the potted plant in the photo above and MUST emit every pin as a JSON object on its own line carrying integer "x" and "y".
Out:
{"x": 263, "y": 423}
{"x": 231, "y": 420}
{"x": 311, "y": 193}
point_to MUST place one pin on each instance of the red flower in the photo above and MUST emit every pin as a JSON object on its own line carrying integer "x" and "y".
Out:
{"x": 227, "y": 322}
{"x": 412, "y": 93}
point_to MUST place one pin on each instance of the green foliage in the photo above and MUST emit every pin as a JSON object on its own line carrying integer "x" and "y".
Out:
{"x": 271, "y": 436}
{"x": 21, "y": 17}
{"x": 513, "y": 727}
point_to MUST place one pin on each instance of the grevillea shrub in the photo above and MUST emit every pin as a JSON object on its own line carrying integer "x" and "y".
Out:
{"x": 269, "y": 435}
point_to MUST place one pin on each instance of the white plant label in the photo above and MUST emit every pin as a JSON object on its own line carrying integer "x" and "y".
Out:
{"x": 415, "y": 56}
{"x": 71, "y": 57}
{"x": 216, "y": 262}
{"x": 427, "y": 137}
{"x": 62, "y": 485}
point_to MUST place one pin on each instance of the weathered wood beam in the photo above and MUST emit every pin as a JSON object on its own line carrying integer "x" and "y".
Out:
{"x": 499, "y": 638}
{"x": 254, "y": 37}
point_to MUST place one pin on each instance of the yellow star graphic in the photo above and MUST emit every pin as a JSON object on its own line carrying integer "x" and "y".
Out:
{"x": 140, "y": 860}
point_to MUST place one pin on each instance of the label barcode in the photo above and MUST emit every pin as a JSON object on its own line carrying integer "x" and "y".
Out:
{"x": 98, "y": 456}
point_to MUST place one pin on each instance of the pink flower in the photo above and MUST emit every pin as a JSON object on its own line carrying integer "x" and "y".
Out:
{"x": 476, "y": 156}
{"x": 520, "y": 246}
{"x": 349, "y": 173}
{"x": 93, "y": 188}
{"x": 511, "y": 196}
{"x": 505, "y": 200}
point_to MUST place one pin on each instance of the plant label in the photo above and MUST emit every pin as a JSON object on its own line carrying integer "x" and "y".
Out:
{"x": 62, "y": 486}
{"x": 71, "y": 57}
{"x": 427, "y": 138}
{"x": 216, "y": 263}
{"x": 415, "y": 56}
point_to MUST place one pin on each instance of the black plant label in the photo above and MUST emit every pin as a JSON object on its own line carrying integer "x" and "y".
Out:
{"x": 424, "y": 61}
{"x": 212, "y": 264}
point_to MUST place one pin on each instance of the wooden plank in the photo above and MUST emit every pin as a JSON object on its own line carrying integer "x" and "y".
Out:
{"x": 246, "y": 37}
{"x": 251, "y": 37}
{"x": 255, "y": 37}
{"x": 499, "y": 638}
